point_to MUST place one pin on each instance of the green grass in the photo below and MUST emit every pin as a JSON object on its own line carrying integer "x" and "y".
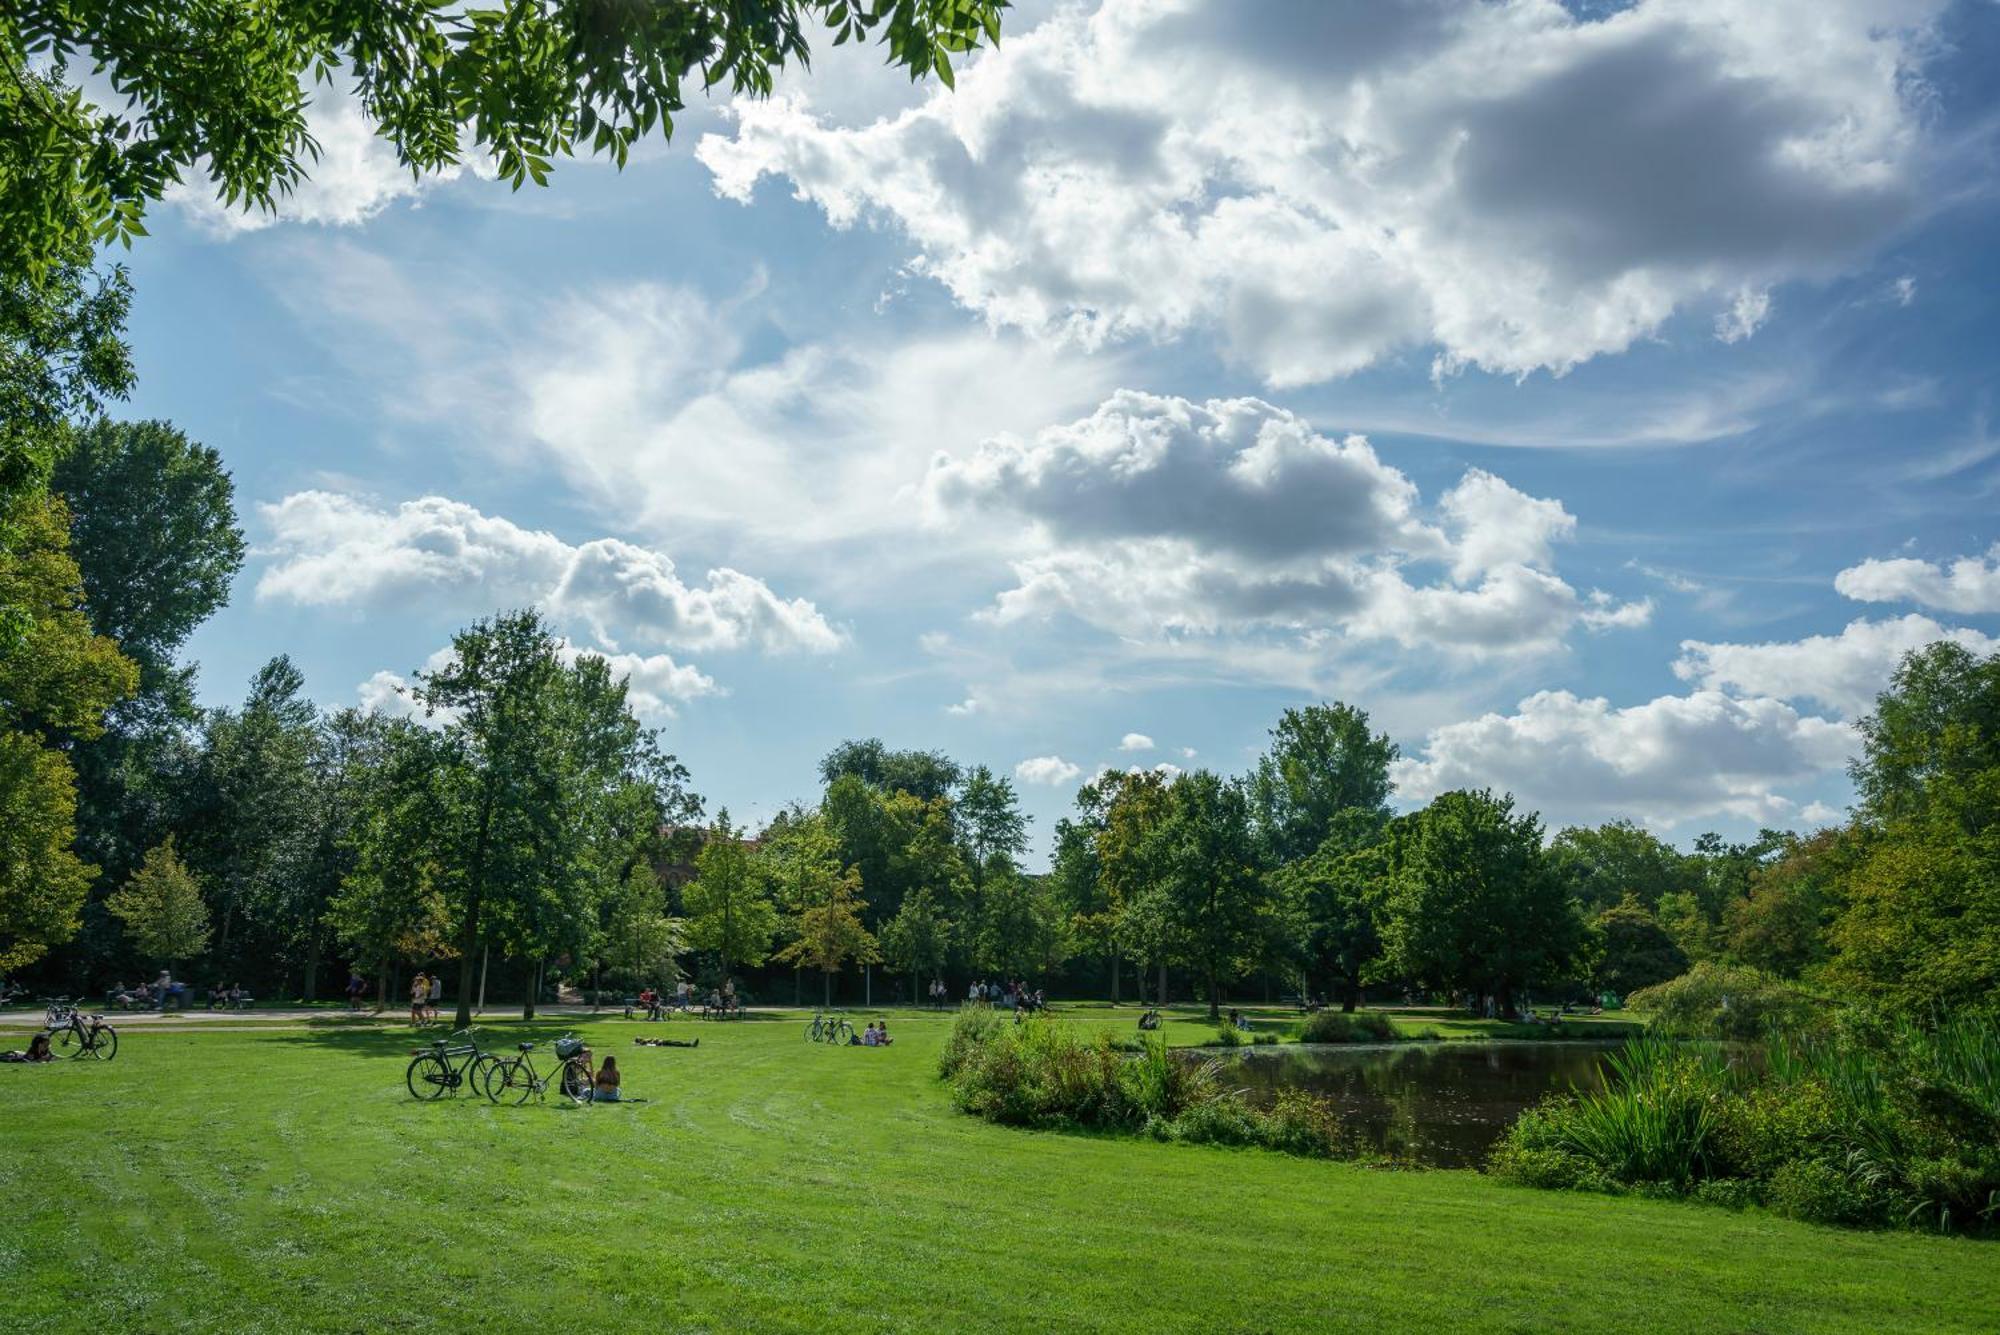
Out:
{"x": 280, "y": 1179}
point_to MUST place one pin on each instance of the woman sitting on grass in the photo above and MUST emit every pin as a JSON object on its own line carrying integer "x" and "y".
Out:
{"x": 606, "y": 1085}
{"x": 38, "y": 1051}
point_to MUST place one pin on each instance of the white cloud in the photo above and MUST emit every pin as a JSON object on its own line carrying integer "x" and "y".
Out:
{"x": 1053, "y": 771}
{"x": 1818, "y": 813}
{"x": 1968, "y": 585}
{"x": 328, "y": 549}
{"x": 1844, "y": 672}
{"x": 1156, "y": 516}
{"x": 1745, "y": 316}
{"x": 971, "y": 704}
{"x": 387, "y": 693}
{"x": 1135, "y": 741}
{"x": 1322, "y": 185}
{"x": 1667, "y": 762}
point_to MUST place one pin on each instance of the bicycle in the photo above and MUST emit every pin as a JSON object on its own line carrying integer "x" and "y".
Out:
{"x": 78, "y": 1035}
{"x": 513, "y": 1080}
{"x": 829, "y": 1029}
{"x": 432, "y": 1074}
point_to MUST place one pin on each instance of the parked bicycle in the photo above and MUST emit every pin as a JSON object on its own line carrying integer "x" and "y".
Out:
{"x": 827, "y": 1028}
{"x": 75, "y": 1034}
{"x": 515, "y": 1079}
{"x": 448, "y": 1067}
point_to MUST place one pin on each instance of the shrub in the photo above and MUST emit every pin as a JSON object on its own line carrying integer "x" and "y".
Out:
{"x": 1303, "y": 1123}
{"x": 1818, "y": 1192}
{"x": 1724, "y": 1001}
{"x": 1347, "y": 1027}
{"x": 1229, "y": 1036}
{"x": 1653, "y": 1121}
{"x": 1262, "y": 1039}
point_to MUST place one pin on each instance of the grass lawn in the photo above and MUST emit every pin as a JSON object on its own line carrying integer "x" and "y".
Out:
{"x": 281, "y": 1179}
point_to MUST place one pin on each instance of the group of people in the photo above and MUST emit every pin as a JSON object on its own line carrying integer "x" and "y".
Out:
{"x": 164, "y": 991}
{"x": 1014, "y": 996}
{"x": 876, "y": 1035}
{"x": 426, "y": 991}
{"x": 655, "y": 1004}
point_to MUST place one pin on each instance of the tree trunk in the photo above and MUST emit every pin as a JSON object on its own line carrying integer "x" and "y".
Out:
{"x": 311, "y": 988}
{"x": 485, "y": 957}
{"x": 1161, "y": 1000}
{"x": 382, "y": 985}
{"x": 1350, "y": 995}
{"x": 1114, "y": 978}
{"x": 468, "y": 942}
{"x": 1503, "y": 1000}
{"x": 534, "y": 992}
{"x": 798, "y": 985}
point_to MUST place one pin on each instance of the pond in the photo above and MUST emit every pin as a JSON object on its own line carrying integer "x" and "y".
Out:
{"x": 1441, "y": 1104}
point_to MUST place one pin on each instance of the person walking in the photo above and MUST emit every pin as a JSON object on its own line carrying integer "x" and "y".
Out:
{"x": 435, "y": 995}
{"x": 420, "y": 996}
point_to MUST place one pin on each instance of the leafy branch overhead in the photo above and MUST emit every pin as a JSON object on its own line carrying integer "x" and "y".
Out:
{"x": 222, "y": 86}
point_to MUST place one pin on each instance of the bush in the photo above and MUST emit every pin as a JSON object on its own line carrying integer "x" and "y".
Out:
{"x": 1347, "y": 1027}
{"x": 1046, "y": 1074}
{"x": 1724, "y": 1001}
{"x": 1865, "y": 1122}
{"x": 1229, "y": 1036}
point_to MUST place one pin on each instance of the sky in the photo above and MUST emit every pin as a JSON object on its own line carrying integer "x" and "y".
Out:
{"x": 1601, "y": 396}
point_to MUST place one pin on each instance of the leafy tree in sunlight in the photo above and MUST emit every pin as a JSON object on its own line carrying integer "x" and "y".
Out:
{"x": 221, "y": 88}
{"x": 728, "y": 907}
{"x": 1323, "y": 767}
{"x": 162, "y": 908}
{"x": 823, "y": 897}
{"x": 1216, "y": 899}
{"x": 918, "y": 938}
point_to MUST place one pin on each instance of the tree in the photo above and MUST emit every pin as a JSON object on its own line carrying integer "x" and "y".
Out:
{"x": 62, "y": 355}
{"x": 1215, "y": 892}
{"x": 918, "y": 938}
{"x": 257, "y": 836}
{"x": 162, "y": 909}
{"x": 1473, "y": 903}
{"x": 1781, "y": 925}
{"x": 1324, "y": 767}
{"x": 641, "y": 939}
{"x": 924, "y": 774}
{"x": 1937, "y": 726}
{"x": 990, "y": 821}
{"x": 824, "y": 899}
{"x": 1333, "y": 901}
{"x": 1126, "y": 808}
{"x": 1603, "y": 867}
{"x": 1634, "y": 951}
{"x": 1021, "y": 929}
{"x": 222, "y": 87}
{"x": 727, "y": 907}
{"x": 154, "y": 534}
{"x": 56, "y": 679}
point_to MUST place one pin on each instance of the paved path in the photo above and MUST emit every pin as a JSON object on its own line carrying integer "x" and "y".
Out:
{"x": 31, "y": 1017}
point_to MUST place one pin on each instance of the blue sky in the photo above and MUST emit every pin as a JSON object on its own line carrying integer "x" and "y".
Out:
{"x": 1601, "y": 397}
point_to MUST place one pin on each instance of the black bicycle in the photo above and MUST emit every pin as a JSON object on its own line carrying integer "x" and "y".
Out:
{"x": 78, "y": 1035}
{"x": 515, "y": 1079}
{"x": 448, "y": 1067}
{"x": 829, "y": 1028}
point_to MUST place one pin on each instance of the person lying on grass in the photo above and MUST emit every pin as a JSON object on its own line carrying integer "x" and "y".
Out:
{"x": 38, "y": 1051}
{"x": 665, "y": 1043}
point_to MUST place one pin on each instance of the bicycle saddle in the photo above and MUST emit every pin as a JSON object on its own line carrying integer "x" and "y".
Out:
{"x": 525, "y": 1047}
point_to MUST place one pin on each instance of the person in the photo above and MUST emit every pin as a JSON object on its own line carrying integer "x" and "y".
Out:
{"x": 972, "y": 993}
{"x": 163, "y": 988}
{"x": 606, "y": 1085}
{"x": 420, "y": 995}
{"x": 354, "y": 989}
{"x": 868, "y": 1035}
{"x": 882, "y": 1039}
{"x": 666, "y": 1043}
{"x": 435, "y": 995}
{"x": 728, "y": 995}
{"x": 236, "y": 995}
{"x": 38, "y": 1051}
{"x": 1150, "y": 1020}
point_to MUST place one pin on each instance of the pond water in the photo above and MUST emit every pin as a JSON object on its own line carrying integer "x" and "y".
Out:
{"x": 1442, "y": 1104}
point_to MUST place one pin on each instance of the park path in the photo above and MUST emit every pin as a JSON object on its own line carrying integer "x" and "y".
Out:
{"x": 31, "y": 1018}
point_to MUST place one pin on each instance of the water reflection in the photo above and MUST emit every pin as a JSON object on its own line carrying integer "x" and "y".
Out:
{"x": 1443, "y": 1104}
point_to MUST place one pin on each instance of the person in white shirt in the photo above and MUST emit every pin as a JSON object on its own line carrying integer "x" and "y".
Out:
{"x": 437, "y": 994}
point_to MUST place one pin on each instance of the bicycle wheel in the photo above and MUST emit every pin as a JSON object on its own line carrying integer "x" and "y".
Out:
{"x": 102, "y": 1042}
{"x": 843, "y": 1032}
{"x": 429, "y": 1077}
{"x": 812, "y": 1032}
{"x": 69, "y": 1041}
{"x": 576, "y": 1081}
{"x": 481, "y": 1071}
{"x": 510, "y": 1082}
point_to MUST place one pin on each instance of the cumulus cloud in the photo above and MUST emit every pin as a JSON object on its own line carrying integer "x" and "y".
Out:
{"x": 1323, "y": 184}
{"x": 1844, "y": 672}
{"x": 1135, "y": 741}
{"x": 1156, "y": 515}
{"x": 1675, "y": 759}
{"x": 1053, "y": 771}
{"x": 1968, "y": 585}
{"x": 328, "y": 549}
